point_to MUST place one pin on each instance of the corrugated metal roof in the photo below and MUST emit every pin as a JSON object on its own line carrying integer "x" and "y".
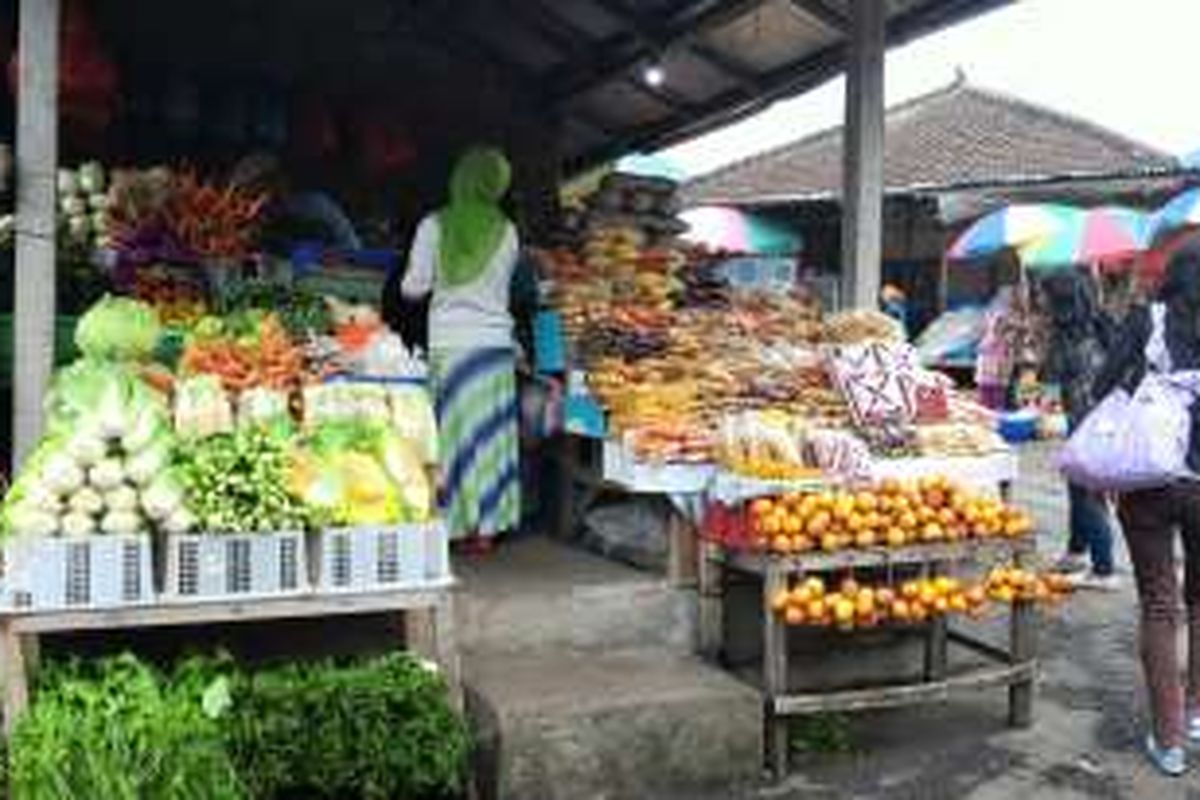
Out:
{"x": 574, "y": 62}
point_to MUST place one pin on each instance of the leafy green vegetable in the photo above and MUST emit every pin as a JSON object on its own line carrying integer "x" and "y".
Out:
{"x": 238, "y": 483}
{"x": 118, "y": 730}
{"x": 118, "y": 329}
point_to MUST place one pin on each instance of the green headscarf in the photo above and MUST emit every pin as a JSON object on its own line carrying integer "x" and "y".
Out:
{"x": 472, "y": 225}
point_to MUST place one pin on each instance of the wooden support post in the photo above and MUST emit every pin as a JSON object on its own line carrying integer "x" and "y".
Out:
{"x": 712, "y": 601}
{"x": 14, "y": 675}
{"x": 1023, "y": 647}
{"x": 936, "y": 640}
{"x": 429, "y": 633}
{"x": 682, "y": 550}
{"x": 36, "y": 256}
{"x": 775, "y": 669}
{"x": 567, "y": 457}
{"x": 862, "y": 157}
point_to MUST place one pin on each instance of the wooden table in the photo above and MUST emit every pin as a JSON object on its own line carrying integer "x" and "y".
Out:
{"x": 428, "y": 619}
{"x": 1015, "y": 666}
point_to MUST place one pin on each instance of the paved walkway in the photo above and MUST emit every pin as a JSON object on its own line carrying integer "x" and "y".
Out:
{"x": 1089, "y": 712}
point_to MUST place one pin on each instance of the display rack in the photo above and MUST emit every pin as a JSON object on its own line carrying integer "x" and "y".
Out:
{"x": 427, "y": 610}
{"x": 1013, "y": 666}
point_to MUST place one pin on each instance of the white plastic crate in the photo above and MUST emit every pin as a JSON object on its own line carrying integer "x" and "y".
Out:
{"x": 376, "y": 557}
{"x": 215, "y": 566}
{"x": 44, "y": 573}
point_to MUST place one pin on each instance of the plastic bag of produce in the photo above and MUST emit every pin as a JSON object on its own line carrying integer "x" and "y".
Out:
{"x": 266, "y": 407}
{"x": 202, "y": 407}
{"x": 412, "y": 417}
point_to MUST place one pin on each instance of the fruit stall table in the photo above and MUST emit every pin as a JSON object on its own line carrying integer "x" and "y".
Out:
{"x": 427, "y": 611}
{"x": 1013, "y": 666}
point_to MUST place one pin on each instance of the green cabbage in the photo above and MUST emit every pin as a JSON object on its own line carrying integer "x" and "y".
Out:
{"x": 118, "y": 329}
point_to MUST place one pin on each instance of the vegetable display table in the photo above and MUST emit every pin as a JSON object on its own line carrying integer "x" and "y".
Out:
{"x": 1014, "y": 666}
{"x": 428, "y": 617}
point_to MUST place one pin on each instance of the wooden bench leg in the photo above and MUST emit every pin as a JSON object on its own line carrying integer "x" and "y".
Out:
{"x": 775, "y": 671}
{"x": 14, "y": 674}
{"x": 1023, "y": 634}
{"x": 429, "y": 632}
{"x": 712, "y": 601}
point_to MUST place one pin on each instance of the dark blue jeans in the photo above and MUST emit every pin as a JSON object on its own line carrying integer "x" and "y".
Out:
{"x": 1091, "y": 528}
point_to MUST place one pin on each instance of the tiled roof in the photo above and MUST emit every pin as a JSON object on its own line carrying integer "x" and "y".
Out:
{"x": 959, "y": 135}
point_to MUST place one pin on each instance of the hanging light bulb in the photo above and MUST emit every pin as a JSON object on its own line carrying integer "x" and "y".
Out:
{"x": 654, "y": 74}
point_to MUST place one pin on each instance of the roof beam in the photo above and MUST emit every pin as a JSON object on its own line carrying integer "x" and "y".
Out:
{"x": 824, "y": 13}
{"x": 622, "y": 53}
{"x": 788, "y": 80}
{"x": 646, "y": 29}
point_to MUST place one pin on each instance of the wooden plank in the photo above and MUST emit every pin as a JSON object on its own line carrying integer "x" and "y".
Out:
{"x": 912, "y": 694}
{"x": 775, "y": 670}
{"x": 213, "y": 612}
{"x": 992, "y": 651}
{"x": 36, "y": 247}
{"x": 968, "y": 550}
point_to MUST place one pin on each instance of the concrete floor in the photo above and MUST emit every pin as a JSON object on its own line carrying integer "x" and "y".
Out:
{"x": 1090, "y": 713}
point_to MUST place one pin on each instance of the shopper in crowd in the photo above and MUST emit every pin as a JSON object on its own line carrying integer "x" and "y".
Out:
{"x": 464, "y": 256}
{"x": 293, "y": 216}
{"x": 1151, "y": 518}
{"x": 995, "y": 355}
{"x": 1077, "y": 340}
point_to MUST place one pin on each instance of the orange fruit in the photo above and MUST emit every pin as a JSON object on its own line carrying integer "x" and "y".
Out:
{"x": 780, "y": 601}
{"x": 819, "y": 523}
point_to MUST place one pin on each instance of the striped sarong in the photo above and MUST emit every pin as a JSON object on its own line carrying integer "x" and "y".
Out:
{"x": 477, "y": 413}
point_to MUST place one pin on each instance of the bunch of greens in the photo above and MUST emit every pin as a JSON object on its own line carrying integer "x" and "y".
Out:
{"x": 119, "y": 731}
{"x": 301, "y": 311}
{"x": 237, "y": 483}
{"x": 377, "y": 730}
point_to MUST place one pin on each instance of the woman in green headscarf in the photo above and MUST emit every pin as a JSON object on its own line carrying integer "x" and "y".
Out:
{"x": 465, "y": 255}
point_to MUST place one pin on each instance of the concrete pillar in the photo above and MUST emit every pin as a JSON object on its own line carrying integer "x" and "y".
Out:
{"x": 36, "y": 257}
{"x": 862, "y": 155}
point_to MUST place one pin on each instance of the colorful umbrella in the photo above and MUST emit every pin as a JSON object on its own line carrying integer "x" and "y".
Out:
{"x": 1011, "y": 226}
{"x": 1100, "y": 235}
{"x": 724, "y": 228}
{"x": 1180, "y": 211}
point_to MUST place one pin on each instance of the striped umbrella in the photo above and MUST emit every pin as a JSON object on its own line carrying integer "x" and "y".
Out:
{"x": 1011, "y": 227}
{"x": 1096, "y": 236}
{"x": 734, "y": 230}
{"x": 1180, "y": 211}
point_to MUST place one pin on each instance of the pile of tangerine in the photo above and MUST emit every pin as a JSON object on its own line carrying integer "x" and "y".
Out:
{"x": 893, "y": 514}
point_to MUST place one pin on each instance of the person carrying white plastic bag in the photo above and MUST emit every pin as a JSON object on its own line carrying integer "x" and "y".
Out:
{"x": 1154, "y": 360}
